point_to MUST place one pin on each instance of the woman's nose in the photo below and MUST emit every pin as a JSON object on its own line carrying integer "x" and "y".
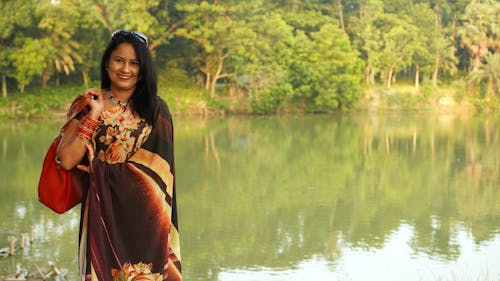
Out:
{"x": 126, "y": 67}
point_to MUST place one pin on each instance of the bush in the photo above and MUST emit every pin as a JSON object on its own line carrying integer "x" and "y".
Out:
{"x": 39, "y": 102}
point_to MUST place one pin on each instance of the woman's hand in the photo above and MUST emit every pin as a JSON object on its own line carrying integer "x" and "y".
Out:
{"x": 96, "y": 102}
{"x": 90, "y": 155}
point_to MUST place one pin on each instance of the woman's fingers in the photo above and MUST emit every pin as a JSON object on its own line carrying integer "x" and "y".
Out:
{"x": 90, "y": 151}
{"x": 90, "y": 155}
{"x": 96, "y": 101}
{"x": 83, "y": 168}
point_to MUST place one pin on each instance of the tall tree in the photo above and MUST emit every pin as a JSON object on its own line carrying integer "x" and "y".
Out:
{"x": 489, "y": 72}
{"x": 365, "y": 36}
{"x": 30, "y": 59}
{"x": 422, "y": 17}
{"x": 389, "y": 42}
{"x": 209, "y": 25}
{"x": 58, "y": 24}
{"x": 15, "y": 19}
{"x": 434, "y": 49}
{"x": 479, "y": 30}
{"x": 149, "y": 17}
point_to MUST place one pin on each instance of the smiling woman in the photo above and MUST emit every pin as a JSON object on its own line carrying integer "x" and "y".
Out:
{"x": 124, "y": 141}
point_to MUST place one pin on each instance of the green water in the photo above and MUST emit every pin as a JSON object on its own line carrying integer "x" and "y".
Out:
{"x": 339, "y": 197}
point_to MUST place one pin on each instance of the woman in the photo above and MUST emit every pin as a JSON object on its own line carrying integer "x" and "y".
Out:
{"x": 129, "y": 219}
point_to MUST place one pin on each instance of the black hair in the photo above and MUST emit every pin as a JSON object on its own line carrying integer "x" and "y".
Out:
{"x": 142, "y": 100}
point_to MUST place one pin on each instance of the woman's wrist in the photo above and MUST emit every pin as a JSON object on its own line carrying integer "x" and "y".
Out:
{"x": 94, "y": 115}
{"x": 87, "y": 127}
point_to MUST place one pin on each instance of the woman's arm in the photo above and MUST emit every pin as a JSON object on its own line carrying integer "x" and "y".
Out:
{"x": 72, "y": 148}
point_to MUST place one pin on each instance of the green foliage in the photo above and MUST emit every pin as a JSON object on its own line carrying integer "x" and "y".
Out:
{"x": 281, "y": 55}
{"x": 479, "y": 29}
{"x": 30, "y": 60}
{"x": 267, "y": 102}
{"x": 326, "y": 72}
{"x": 39, "y": 103}
{"x": 489, "y": 73}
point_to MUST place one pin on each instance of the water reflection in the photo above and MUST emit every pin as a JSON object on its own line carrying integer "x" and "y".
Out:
{"x": 338, "y": 197}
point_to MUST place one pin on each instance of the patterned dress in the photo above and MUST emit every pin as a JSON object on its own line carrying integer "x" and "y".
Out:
{"x": 120, "y": 135}
{"x": 129, "y": 215}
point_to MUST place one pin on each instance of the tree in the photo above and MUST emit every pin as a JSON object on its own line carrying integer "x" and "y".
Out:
{"x": 58, "y": 25}
{"x": 434, "y": 49}
{"x": 489, "y": 72}
{"x": 262, "y": 65}
{"x": 389, "y": 42}
{"x": 150, "y": 17}
{"x": 365, "y": 36}
{"x": 14, "y": 20}
{"x": 29, "y": 60}
{"x": 479, "y": 30}
{"x": 217, "y": 32}
{"x": 339, "y": 68}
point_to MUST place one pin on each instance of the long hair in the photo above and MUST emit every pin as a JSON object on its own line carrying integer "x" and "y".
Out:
{"x": 142, "y": 100}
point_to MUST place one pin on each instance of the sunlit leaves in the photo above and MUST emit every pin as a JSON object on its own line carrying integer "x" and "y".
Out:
{"x": 31, "y": 59}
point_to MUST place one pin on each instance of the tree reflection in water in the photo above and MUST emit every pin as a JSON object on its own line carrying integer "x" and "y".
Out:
{"x": 391, "y": 194}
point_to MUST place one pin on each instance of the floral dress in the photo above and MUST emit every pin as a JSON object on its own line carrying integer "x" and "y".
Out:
{"x": 120, "y": 135}
{"x": 128, "y": 226}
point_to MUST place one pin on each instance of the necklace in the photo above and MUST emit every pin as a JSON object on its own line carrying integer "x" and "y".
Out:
{"x": 115, "y": 101}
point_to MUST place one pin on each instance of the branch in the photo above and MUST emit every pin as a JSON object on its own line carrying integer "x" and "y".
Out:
{"x": 170, "y": 31}
{"x": 104, "y": 15}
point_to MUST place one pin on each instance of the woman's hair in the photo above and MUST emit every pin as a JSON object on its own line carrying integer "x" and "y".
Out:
{"x": 146, "y": 89}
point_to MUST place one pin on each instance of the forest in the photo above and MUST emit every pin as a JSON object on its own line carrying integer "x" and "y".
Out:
{"x": 313, "y": 56}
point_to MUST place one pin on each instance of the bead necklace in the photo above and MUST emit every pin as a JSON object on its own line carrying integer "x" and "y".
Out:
{"x": 115, "y": 101}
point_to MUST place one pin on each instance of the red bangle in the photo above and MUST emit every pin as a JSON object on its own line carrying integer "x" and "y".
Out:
{"x": 84, "y": 133}
{"x": 90, "y": 123}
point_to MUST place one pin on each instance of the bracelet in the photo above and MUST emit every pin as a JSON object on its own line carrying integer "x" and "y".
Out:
{"x": 83, "y": 133}
{"x": 90, "y": 123}
{"x": 87, "y": 127}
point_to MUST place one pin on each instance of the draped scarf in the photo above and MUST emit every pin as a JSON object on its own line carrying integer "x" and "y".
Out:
{"x": 129, "y": 213}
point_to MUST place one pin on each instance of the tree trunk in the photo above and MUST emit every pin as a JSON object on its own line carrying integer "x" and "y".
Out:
{"x": 367, "y": 75}
{"x": 104, "y": 15}
{"x": 417, "y": 78}
{"x": 217, "y": 74}
{"x": 85, "y": 77}
{"x": 45, "y": 79}
{"x": 389, "y": 78}
{"x": 341, "y": 16}
{"x": 4, "y": 86}
{"x": 58, "y": 79}
{"x": 207, "y": 81}
{"x": 435, "y": 75}
{"x": 212, "y": 86}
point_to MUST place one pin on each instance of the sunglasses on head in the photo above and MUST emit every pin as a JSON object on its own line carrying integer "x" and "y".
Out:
{"x": 139, "y": 36}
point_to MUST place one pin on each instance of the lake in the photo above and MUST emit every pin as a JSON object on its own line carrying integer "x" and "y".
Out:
{"x": 351, "y": 196}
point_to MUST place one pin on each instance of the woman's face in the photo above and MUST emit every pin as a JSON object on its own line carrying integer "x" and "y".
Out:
{"x": 123, "y": 68}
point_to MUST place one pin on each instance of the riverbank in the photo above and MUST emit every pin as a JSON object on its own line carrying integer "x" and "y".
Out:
{"x": 52, "y": 102}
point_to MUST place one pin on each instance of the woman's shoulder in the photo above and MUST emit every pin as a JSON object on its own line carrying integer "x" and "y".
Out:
{"x": 161, "y": 106}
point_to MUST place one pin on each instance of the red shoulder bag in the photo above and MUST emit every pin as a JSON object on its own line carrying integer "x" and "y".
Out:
{"x": 56, "y": 189}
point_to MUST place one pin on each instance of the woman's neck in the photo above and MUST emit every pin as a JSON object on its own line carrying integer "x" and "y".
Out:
{"x": 121, "y": 95}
